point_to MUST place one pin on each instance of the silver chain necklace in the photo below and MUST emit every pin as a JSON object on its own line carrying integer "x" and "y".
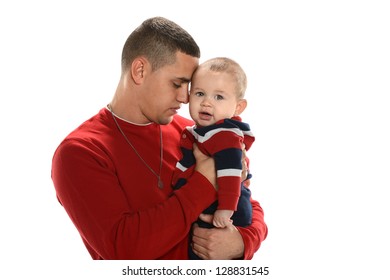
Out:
{"x": 160, "y": 183}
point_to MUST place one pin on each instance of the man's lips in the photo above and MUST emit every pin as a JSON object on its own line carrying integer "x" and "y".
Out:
{"x": 174, "y": 110}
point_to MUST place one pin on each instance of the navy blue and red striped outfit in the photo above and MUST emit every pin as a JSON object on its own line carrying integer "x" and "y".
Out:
{"x": 222, "y": 141}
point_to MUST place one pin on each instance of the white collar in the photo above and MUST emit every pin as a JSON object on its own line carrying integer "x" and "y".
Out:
{"x": 122, "y": 119}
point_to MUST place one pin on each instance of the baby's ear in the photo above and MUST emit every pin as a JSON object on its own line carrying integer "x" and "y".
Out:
{"x": 240, "y": 107}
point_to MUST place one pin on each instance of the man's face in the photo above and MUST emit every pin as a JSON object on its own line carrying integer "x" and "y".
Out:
{"x": 165, "y": 89}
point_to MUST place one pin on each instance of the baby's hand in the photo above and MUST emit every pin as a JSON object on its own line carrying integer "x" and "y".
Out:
{"x": 222, "y": 218}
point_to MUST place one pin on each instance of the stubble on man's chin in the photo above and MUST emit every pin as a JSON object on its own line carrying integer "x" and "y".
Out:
{"x": 164, "y": 121}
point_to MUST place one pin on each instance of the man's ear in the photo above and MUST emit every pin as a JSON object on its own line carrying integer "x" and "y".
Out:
{"x": 138, "y": 70}
{"x": 241, "y": 105}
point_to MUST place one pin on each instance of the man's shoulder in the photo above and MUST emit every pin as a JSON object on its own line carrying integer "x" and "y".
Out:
{"x": 93, "y": 128}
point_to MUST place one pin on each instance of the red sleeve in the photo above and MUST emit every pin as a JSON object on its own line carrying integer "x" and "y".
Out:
{"x": 254, "y": 234}
{"x": 228, "y": 192}
{"x": 87, "y": 187}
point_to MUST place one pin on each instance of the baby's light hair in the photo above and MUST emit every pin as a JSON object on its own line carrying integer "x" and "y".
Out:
{"x": 228, "y": 65}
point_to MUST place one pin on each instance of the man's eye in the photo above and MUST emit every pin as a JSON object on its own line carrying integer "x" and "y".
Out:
{"x": 176, "y": 85}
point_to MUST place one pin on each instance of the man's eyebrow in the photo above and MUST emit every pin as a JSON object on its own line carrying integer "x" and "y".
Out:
{"x": 184, "y": 80}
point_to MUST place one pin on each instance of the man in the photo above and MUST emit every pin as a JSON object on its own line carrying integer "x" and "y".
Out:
{"x": 112, "y": 174}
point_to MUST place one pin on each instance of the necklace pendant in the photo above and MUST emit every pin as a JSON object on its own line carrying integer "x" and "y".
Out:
{"x": 160, "y": 183}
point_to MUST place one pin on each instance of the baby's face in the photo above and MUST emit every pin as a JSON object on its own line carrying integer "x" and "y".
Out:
{"x": 212, "y": 97}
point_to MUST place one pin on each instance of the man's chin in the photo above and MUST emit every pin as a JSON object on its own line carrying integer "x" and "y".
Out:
{"x": 165, "y": 121}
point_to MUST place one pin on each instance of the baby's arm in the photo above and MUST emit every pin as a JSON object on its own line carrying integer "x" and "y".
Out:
{"x": 222, "y": 218}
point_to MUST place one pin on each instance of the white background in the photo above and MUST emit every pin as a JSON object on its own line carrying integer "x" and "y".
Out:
{"x": 319, "y": 85}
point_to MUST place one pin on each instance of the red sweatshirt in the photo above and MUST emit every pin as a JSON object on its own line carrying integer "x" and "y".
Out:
{"x": 114, "y": 200}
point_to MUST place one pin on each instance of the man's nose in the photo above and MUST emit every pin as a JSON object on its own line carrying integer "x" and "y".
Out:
{"x": 183, "y": 95}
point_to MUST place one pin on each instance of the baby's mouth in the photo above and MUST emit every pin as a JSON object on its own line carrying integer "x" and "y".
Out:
{"x": 205, "y": 116}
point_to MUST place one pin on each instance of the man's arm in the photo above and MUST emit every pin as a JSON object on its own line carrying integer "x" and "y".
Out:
{"x": 87, "y": 186}
{"x": 254, "y": 234}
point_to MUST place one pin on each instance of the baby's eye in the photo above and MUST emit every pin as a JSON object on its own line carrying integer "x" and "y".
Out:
{"x": 199, "y": 94}
{"x": 219, "y": 97}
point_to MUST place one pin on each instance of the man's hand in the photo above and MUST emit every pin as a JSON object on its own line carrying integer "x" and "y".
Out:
{"x": 245, "y": 168}
{"x": 205, "y": 165}
{"x": 216, "y": 243}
